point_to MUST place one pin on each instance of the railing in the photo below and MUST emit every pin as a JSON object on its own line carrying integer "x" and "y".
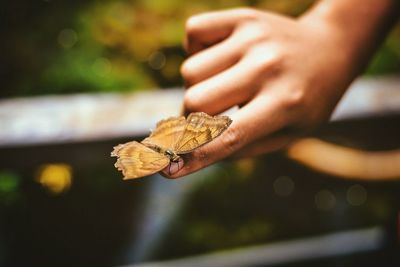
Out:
{"x": 55, "y": 119}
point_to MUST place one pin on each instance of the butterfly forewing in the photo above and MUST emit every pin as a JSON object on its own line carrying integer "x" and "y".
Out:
{"x": 200, "y": 129}
{"x": 192, "y": 139}
{"x": 136, "y": 160}
{"x": 167, "y": 133}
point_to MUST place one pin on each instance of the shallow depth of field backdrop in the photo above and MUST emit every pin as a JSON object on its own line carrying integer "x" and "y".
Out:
{"x": 62, "y": 203}
{"x": 53, "y": 47}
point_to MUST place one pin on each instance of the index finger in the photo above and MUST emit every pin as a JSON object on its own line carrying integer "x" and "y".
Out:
{"x": 256, "y": 119}
{"x": 209, "y": 28}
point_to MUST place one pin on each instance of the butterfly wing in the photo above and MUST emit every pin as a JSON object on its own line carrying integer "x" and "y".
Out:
{"x": 200, "y": 129}
{"x": 136, "y": 160}
{"x": 167, "y": 133}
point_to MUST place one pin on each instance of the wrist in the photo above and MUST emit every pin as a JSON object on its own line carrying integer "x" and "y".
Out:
{"x": 357, "y": 26}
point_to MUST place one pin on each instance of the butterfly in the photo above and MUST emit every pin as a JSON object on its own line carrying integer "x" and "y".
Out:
{"x": 171, "y": 138}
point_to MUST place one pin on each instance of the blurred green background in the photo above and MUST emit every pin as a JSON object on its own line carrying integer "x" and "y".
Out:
{"x": 60, "y": 46}
{"x": 65, "y": 47}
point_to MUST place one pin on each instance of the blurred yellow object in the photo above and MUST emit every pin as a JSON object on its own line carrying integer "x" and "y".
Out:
{"x": 56, "y": 178}
{"x": 346, "y": 162}
{"x": 246, "y": 167}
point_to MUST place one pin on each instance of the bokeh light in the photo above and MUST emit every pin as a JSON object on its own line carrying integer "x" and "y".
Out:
{"x": 157, "y": 60}
{"x": 283, "y": 186}
{"x": 325, "y": 200}
{"x": 102, "y": 66}
{"x": 9, "y": 187}
{"x": 67, "y": 38}
{"x": 356, "y": 195}
{"x": 55, "y": 178}
{"x": 246, "y": 167}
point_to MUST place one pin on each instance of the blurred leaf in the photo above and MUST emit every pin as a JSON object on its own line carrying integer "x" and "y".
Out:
{"x": 67, "y": 47}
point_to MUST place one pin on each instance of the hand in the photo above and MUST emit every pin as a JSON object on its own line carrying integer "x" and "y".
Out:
{"x": 285, "y": 74}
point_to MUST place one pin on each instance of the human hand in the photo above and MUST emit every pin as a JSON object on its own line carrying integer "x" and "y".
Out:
{"x": 285, "y": 74}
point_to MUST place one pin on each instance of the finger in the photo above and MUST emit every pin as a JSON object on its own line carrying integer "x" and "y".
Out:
{"x": 219, "y": 93}
{"x": 212, "y": 60}
{"x": 234, "y": 86}
{"x": 172, "y": 168}
{"x": 245, "y": 128}
{"x": 265, "y": 145}
{"x": 209, "y": 28}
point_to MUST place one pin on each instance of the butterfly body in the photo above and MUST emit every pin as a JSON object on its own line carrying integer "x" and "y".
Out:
{"x": 172, "y": 137}
{"x": 173, "y": 157}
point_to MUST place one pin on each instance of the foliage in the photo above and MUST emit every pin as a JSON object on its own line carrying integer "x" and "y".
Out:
{"x": 53, "y": 47}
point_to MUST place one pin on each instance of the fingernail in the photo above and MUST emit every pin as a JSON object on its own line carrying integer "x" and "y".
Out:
{"x": 174, "y": 167}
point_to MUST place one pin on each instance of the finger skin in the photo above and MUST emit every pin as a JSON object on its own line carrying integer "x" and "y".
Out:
{"x": 245, "y": 128}
{"x": 301, "y": 68}
{"x": 206, "y": 29}
{"x": 212, "y": 60}
{"x": 234, "y": 86}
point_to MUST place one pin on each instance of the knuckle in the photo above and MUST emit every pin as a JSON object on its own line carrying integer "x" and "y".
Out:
{"x": 232, "y": 140}
{"x": 295, "y": 99}
{"x": 251, "y": 35}
{"x": 187, "y": 71}
{"x": 266, "y": 60}
{"x": 191, "y": 103}
{"x": 247, "y": 13}
{"x": 192, "y": 23}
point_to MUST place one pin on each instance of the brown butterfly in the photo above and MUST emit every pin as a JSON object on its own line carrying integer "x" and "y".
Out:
{"x": 172, "y": 137}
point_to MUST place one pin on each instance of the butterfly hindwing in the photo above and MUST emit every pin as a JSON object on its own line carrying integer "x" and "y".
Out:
{"x": 136, "y": 160}
{"x": 200, "y": 129}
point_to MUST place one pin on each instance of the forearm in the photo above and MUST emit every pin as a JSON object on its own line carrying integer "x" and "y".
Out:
{"x": 358, "y": 25}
